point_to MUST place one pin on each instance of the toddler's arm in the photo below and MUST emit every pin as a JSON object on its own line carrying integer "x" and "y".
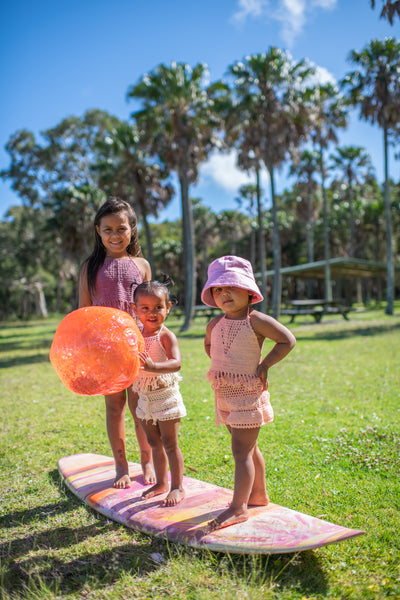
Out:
{"x": 268, "y": 327}
{"x": 207, "y": 339}
{"x": 173, "y": 362}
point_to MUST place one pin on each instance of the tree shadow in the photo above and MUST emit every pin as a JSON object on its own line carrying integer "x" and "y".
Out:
{"x": 347, "y": 333}
{"x": 20, "y": 361}
{"x": 23, "y": 344}
{"x": 30, "y": 559}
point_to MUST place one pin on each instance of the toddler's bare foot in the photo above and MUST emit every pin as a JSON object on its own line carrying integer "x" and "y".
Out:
{"x": 258, "y": 499}
{"x": 155, "y": 490}
{"x": 227, "y": 518}
{"x": 148, "y": 473}
{"x": 122, "y": 481}
{"x": 174, "y": 497}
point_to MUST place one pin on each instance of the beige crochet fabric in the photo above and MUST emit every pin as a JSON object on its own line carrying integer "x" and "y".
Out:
{"x": 235, "y": 354}
{"x": 159, "y": 395}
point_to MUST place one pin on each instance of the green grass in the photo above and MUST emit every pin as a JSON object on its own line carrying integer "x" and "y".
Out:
{"x": 333, "y": 451}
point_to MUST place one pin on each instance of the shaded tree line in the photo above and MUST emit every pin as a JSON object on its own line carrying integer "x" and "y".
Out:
{"x": 273, "y": 112}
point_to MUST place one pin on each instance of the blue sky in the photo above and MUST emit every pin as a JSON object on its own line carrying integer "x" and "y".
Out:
{"x": 60, "y": 59}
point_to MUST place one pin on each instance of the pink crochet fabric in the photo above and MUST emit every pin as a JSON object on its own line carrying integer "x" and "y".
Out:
{"x": 235, "y": 354}
{"x": 159, "y": 395}
{"x": 113, "y": 283}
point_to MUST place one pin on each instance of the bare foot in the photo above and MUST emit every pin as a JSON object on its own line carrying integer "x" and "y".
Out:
{"x": 258, "y": 499}
{"x": 148, "y": 473}
{"x": 155, "y": 490}
{"x": 174, "y": 497}
{"x": 122, "y": 481}
{"x": 227, "y": 518}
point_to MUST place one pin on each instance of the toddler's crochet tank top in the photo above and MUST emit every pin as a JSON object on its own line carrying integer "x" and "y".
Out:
{"x": 147, "y": 380}
{"x": 235, "y": 351}
{"x": 240, "y": 400}
{"x": 113, "y": 284}
{"x": 159, "y": 395}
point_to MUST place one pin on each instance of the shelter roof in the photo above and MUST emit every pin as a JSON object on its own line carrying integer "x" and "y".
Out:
{"x": 341, "y": 268}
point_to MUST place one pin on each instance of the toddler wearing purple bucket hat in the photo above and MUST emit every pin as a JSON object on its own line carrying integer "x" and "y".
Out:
{"x": 230, "y": 271}
{"x": 238, "y": 375}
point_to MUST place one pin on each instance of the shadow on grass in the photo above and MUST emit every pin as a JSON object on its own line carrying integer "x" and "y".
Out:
{"x": 137, "y": 558}
{"x": 32, "y": 561}
{"x": 31, "y": 515}
{"x": 101, "y": 569}
{"x": 347, "y": 333}
{"x": 23, "y": 343}
{"x": 24, "y": 360}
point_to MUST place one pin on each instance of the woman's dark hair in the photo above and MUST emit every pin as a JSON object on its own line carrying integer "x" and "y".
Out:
{"x": 153, "y": 287}
{"x": 93, "y": 263}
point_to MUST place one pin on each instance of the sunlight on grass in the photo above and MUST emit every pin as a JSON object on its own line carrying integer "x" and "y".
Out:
{"x": 332, "y": 451}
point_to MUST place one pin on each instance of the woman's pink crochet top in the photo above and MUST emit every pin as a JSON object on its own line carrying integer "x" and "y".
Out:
{"x": 113, "y": 284}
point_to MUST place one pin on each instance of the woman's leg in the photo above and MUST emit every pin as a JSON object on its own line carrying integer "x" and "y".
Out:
{"x": 115, "y": 420}
{"x": 169, "y": 436}
{"x": 146, "y": 459}
{"x": 160, "y": 460}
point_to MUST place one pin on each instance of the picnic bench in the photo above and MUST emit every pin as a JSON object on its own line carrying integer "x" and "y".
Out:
{"x": 316, "y": 308}
{"x": 200, "y": 310}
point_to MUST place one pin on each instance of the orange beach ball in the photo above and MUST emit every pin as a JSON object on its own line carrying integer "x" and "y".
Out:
{"x": 95, "y": 350}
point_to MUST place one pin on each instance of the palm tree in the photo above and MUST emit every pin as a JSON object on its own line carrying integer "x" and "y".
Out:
{"x": 389, "y": 9}
{"x": 126, "y": 172}
{"x": 269, "y": 120}
{"x": 330, "y": 113}
{"x": 375, "y": 88}
{"x": 249, "y": 194}
{"x": 304, "y": 168}
{"x": 179, "y": 125}
{"x": 355, "y": 164}
{"x": 205, "y": 221}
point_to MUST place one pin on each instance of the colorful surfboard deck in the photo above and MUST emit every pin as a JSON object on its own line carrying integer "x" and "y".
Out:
{"x": 270, "y": 529}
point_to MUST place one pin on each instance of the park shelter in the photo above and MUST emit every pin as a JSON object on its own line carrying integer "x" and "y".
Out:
{"x": 341, "y": 269}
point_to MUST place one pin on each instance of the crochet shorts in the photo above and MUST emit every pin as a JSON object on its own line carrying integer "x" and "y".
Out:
{"x": 242, "y": 406}
{"x": 164, "y": 404}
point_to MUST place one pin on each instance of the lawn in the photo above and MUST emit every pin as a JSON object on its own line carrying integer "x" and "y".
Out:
{"x": 333, "y": 451}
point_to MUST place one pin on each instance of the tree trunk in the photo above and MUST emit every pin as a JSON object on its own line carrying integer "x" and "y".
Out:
{"x": 352, "y": 228}
{"x": 328, "y": 286}
{"x": 261, "y": 244}
{"x": 310, "y": 237}
{"x": 189, "y": 266}
{"x": 147, "y": 233}
{"x": 388, "y": 220}
{"x": 40, "y": 300}
{"x": 276, "y": 292}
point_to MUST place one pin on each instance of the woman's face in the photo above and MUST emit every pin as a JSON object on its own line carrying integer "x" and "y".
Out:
{"x": 115, "y": 233}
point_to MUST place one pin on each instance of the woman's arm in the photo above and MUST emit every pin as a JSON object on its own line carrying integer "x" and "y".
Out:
{"x": 144, "y": 268}
{"x": 85, "y": 298}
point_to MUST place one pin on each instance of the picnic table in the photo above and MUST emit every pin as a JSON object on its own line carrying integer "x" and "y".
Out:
{"x": 200, "y": 310}
{"x": 317, "y": 308}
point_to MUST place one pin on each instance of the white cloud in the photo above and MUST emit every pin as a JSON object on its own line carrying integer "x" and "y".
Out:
{"x": 322, "y": 76}
{"x": 221, "y": 170}
{"x": 292, "y": 14}
{"x": 249, "y": 8}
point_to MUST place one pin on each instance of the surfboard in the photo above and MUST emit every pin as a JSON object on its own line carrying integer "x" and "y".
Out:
{"x": 270, "y": 529}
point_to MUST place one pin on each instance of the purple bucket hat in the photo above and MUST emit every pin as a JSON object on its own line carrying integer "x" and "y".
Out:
{"x": 230, "y": 271}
